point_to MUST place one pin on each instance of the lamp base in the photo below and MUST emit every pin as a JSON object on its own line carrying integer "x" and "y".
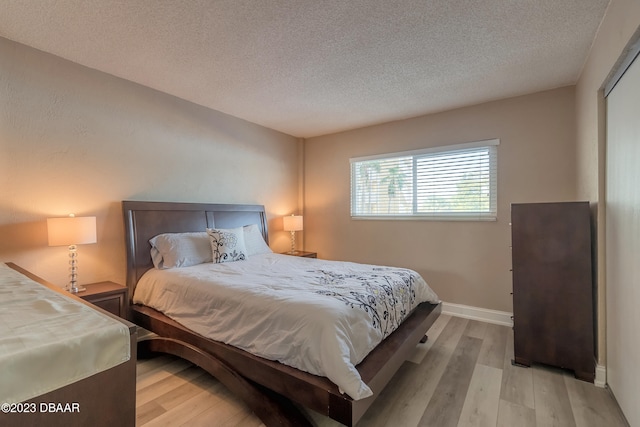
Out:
{"x": 293, "y": 242}
{"x": 75, "y": 289}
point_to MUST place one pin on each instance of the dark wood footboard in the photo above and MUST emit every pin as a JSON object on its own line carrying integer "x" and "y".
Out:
{"x": 262, "y": 382}
{"x": 272, "y": 409}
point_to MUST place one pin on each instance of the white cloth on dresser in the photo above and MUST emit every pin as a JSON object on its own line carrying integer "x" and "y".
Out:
{"x": 48, "y": 340}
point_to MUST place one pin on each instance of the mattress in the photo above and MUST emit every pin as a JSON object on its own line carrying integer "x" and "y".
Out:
{"x": 48, "y": 340}
{"x": 322, "y": 317}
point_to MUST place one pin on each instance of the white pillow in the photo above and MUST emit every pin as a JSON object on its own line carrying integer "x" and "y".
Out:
{"x": 227, "y": 244}
{"x": 171, "y": 250}
{"x": 254, "y": 242}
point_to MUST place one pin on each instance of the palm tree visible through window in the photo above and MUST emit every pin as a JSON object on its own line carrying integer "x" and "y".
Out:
{"x": 457, "y": 182}
{"x": 395, "y": 183}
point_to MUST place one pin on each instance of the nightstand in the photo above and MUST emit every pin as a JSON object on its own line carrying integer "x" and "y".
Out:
{"x": 109, "y": 296}
{"x": 302, "y": 254}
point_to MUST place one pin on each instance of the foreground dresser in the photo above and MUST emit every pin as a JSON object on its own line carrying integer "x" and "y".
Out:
{"x": 63, "y": 363}
{"x": 552, "y": 286}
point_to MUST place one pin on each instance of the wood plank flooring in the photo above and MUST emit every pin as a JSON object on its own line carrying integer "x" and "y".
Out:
{"x": 461, "y": 377}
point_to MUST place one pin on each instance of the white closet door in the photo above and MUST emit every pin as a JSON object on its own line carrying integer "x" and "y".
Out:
{"x": 623, "y": 242}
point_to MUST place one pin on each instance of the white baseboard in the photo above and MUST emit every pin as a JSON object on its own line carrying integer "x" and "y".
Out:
{"x": 477, "y": 313}
{"x": 601, "y": 376}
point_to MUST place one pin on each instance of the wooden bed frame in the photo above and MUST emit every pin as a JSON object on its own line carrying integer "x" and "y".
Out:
{"x": 107, "y": 398}
{"x": 267, "y": 387}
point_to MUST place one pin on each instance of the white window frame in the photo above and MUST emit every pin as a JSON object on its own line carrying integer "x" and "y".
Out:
{"x": 489, "y": 214}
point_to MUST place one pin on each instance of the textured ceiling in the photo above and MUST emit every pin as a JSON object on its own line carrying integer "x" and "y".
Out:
{"x": 312, "y": 67}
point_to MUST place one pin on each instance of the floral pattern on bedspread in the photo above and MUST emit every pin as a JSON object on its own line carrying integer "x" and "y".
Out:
{"x": 387, "y": 297}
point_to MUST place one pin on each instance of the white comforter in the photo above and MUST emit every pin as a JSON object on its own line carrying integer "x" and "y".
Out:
{"x": 321, "y": 317}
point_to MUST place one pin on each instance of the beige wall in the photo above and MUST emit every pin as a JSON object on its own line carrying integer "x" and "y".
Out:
{"x": 76, "y": 140}
{"x": 465, "y": 262}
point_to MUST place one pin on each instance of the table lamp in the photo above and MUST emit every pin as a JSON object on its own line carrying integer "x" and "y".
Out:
{"x": 72, "y": 231}
{"x": 292, "y": 223}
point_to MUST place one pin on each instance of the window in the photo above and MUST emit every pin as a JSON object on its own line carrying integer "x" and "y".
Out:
{"x": 453, "y": 182}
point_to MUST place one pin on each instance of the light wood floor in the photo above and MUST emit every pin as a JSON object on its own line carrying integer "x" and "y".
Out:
{"x": 462, "y": 376}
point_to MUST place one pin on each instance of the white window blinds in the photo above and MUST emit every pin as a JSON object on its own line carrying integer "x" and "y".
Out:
{"x": 453, "y": 182}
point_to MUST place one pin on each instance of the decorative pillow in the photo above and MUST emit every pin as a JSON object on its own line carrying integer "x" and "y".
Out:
{"x": 254, "y": 242}
{"x": 171, "y": 250}
{"x": 227, "y": 244}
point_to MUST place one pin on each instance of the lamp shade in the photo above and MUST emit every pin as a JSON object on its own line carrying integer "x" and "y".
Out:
{"x": 71, "y": 230}
{"x": 292, "y": 223}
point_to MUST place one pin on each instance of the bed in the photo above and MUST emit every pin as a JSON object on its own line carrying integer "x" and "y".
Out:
{"x": 31, "y": 397}
{"x": 271, "y": 389}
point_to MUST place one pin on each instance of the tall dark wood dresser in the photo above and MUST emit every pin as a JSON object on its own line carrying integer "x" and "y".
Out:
{"x": 552, "y": 286}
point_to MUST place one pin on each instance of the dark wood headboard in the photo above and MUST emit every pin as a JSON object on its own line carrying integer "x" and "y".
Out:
{"x": 144, "y": 220}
